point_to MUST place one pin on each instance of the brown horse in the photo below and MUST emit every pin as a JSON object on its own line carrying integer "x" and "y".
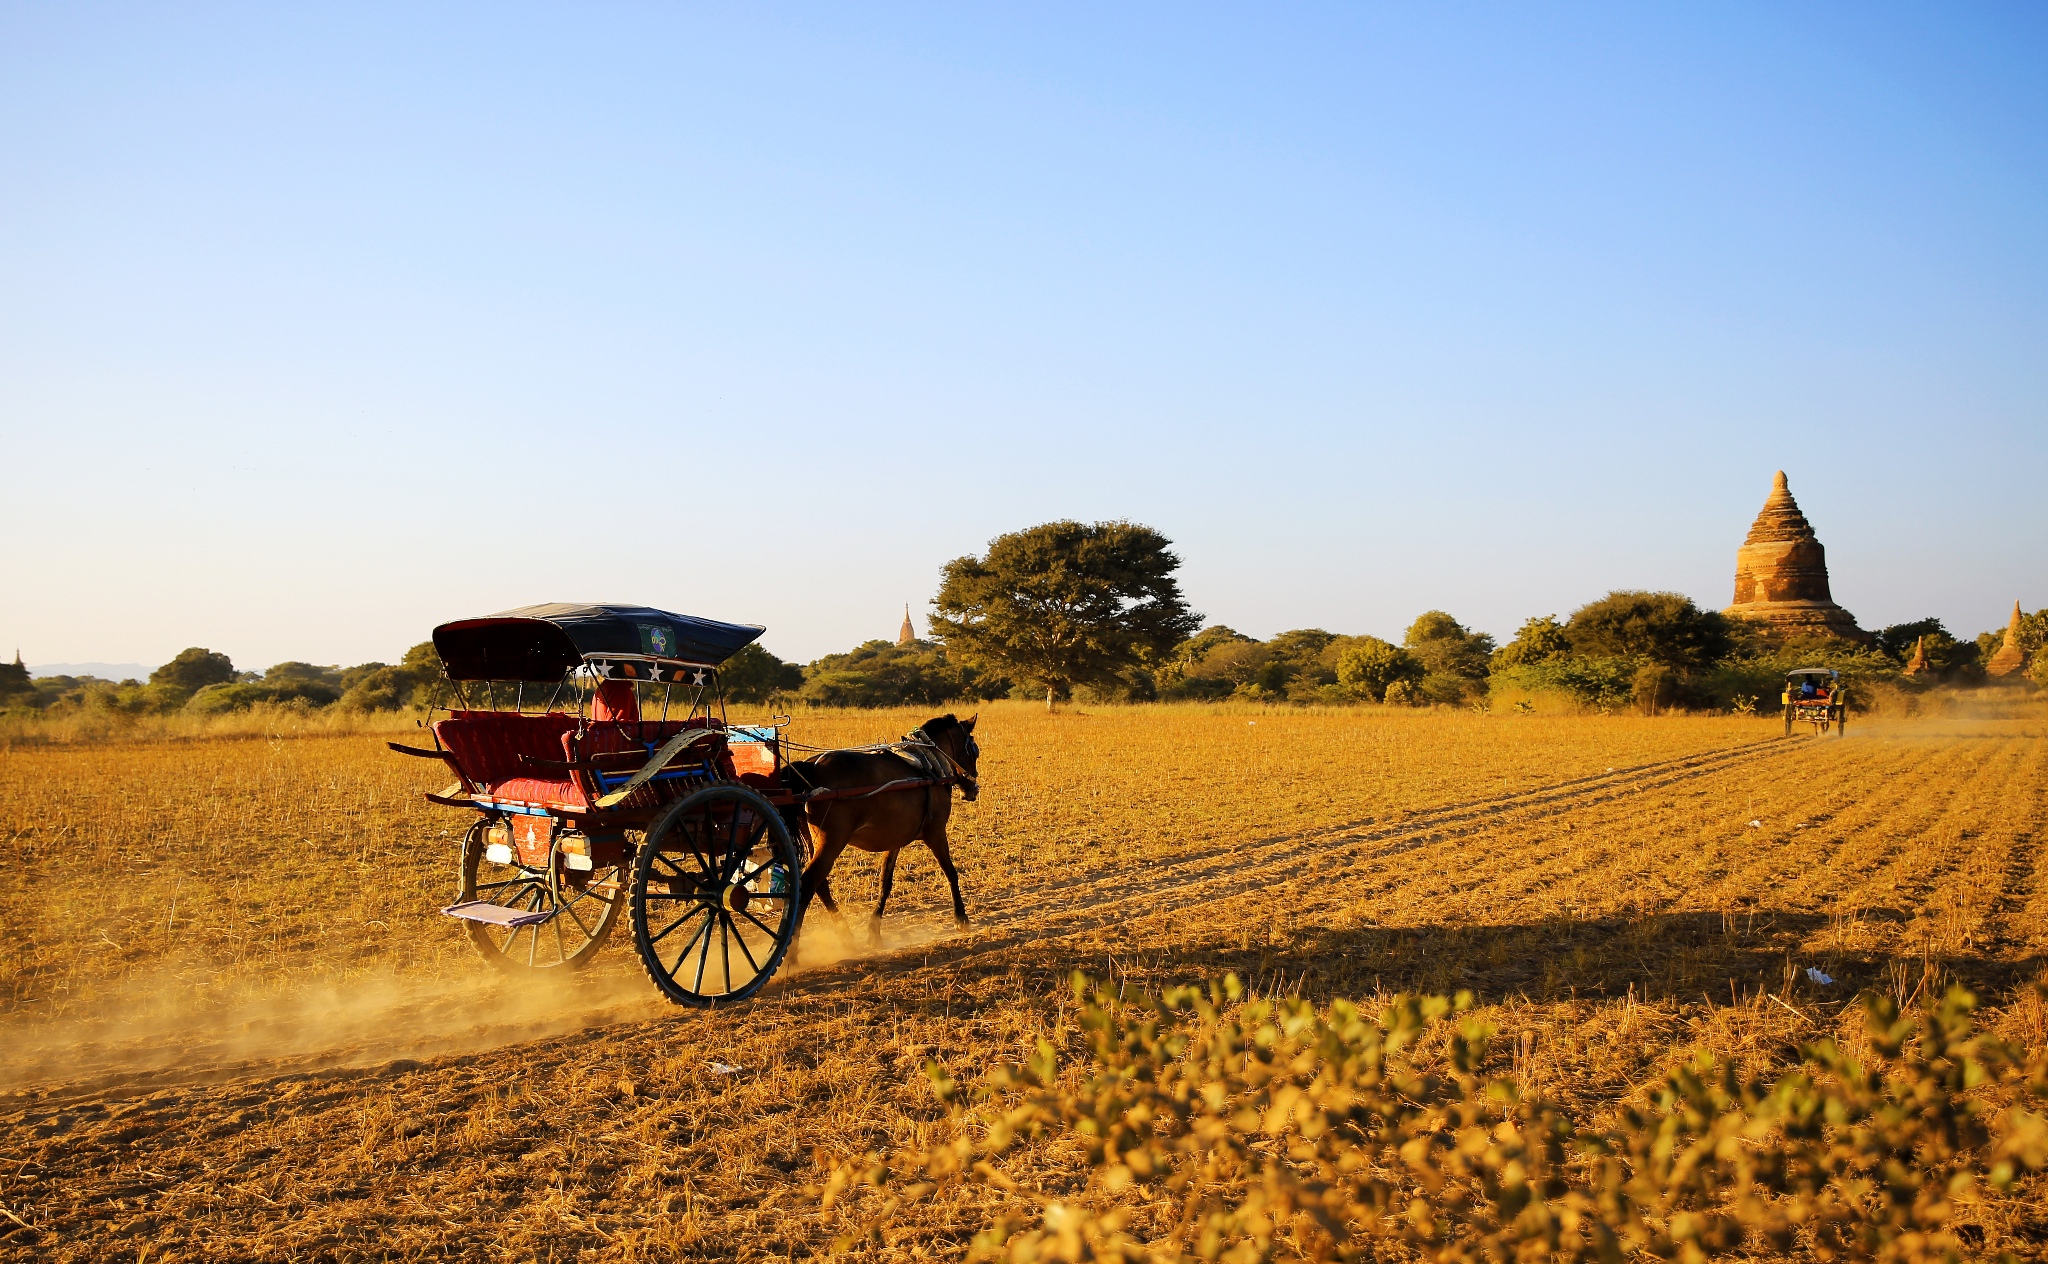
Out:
{"x": 893, "y": 819}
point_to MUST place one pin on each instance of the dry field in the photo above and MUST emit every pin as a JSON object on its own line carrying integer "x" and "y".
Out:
{"x": 235, "y": 1026}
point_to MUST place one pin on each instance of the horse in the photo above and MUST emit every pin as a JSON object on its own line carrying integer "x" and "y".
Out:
{"x": 891, "y": 820}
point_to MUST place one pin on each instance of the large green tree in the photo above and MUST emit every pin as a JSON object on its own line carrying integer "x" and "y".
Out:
{"x": 1660, "y": 627}
{"x": 194, "y": 669}
{"x": 1065, "y": 604}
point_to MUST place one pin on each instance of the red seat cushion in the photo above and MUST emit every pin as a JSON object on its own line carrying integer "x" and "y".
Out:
{"x": 542, "y": 792}
{"x": 491, "y": 748}
{"x": 488, "y": 745}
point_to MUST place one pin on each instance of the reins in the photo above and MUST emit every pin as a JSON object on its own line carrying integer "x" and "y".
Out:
{"x": 916, "y": 738}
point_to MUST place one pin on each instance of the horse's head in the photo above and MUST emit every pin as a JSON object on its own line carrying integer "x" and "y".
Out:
{"x": 955, "y": 737}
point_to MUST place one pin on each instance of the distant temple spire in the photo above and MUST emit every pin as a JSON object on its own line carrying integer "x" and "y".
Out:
{"x": 1918, "y": 667}
{"x": 906, "y": 634}
{"x": 2009, "y": 658}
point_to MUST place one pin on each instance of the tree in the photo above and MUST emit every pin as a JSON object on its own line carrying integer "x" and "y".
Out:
{"x": 1664, "y": 627}
{"x": 1539, "y": 640}
{"x": 1372, "y": 666}
{"x": 884, "y": 674}
{"x": 1065, "y": 603}
{"x": 1897, "y": 640}
{"x": 1187, "y": 671}
{"x": 416, "y": 681}
{"x": 1447, "y": 648}
{"x": 194, "y": 669}
{"x": 755, "y": 675}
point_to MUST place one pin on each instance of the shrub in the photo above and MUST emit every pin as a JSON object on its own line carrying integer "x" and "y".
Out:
{"x": 1601, "y": 684}
{"x": 1257, "y": 1129}
{"x": 1373, "y": 667}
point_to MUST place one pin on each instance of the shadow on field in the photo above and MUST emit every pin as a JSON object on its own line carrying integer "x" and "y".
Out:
{"x": 1667, "y": 956}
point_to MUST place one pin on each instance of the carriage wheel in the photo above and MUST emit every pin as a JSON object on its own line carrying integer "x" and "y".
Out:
{"x": 584, "y": 909}
{"x": 715, "y": 896}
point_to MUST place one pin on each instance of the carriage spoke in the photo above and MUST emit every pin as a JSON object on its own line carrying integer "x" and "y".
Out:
{"x": 684, "y": 920}
{"x": 702, "y": 958}
{"x": 570, "y": 909}
{"x": 736, "y": 843}
{"x": 736, "y": 934}
{"x": 771, "y": 932}
{"x": 702, "y": 932}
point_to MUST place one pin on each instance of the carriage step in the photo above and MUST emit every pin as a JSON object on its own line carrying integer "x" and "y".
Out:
{"x": 496, "y": 914}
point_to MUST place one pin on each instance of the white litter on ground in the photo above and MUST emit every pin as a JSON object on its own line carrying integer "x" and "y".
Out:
{"x": 723, "y": 1068}
{"x": 1818, "y": 977}
{"x": 1756, "y": 825}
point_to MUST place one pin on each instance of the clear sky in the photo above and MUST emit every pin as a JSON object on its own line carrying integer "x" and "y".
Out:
{"x": 322, "y": 324}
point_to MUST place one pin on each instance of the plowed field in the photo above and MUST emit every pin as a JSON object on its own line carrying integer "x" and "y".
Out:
{"x": 235, "y": 1026}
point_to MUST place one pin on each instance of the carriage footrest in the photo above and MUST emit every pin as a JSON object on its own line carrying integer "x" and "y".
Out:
{"x": 496, "y": 914}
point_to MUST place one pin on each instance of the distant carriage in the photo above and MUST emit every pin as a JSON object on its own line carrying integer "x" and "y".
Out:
{"x": 1816, "y": 696}
{"x": 592, "y": 743}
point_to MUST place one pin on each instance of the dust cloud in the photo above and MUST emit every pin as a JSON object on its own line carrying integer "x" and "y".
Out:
{"x": 165, "y": 1032}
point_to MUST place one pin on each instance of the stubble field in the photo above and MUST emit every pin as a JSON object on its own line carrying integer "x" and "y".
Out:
{"x": 235, "y": 1026}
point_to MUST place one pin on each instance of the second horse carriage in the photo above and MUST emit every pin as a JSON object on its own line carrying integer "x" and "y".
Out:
{"x": 592, "y": 743}
{"x": 1816, "y": 696}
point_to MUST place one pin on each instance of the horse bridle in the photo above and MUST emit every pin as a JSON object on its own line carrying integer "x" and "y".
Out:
{"x": 966, "y": 778}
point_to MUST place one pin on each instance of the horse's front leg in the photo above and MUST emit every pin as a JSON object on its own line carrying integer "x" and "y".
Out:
{"x": 888, "y": 885}
{"x": 935, "y": 838}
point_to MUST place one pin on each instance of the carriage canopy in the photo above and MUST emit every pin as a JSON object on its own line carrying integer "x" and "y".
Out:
{"x": 541, "y": 643}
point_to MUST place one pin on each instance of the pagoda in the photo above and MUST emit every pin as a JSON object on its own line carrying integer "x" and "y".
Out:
{"x": 1918, "y": 665}
{"x": 906, "y": 634}
{"x": 2010, "y": 658}
{"x": 1781, "y": 574}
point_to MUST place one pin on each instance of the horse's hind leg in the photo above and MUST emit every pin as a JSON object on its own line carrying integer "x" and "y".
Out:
{"x": 888, "y": 885}
{"x": 817, "y": 880}
{"x": 936, "y": 840}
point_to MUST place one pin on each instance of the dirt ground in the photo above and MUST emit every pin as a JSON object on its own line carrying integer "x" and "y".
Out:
{"x": 235, "y": 1026}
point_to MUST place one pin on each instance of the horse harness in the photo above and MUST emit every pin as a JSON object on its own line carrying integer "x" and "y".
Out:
{"x": 917, "y": 748}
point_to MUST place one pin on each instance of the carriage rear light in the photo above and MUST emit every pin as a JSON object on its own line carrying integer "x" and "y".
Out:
{"x": 498, "y": 853}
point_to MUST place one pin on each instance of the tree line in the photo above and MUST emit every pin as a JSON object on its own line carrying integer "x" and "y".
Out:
{"x": 1094, "y": 611}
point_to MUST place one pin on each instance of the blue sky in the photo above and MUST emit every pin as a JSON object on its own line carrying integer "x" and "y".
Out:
{"x": 319, "y": 327}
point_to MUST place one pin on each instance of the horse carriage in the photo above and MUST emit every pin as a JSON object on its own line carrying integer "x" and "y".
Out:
{"x": 1816, "y": 696}
{"x": 592, "y": 743}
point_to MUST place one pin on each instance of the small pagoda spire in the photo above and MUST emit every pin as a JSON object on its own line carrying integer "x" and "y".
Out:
{"x": 906, "y": 634}
{"x": 1918, "y": 665}
{"x": 2010, "y": 657}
